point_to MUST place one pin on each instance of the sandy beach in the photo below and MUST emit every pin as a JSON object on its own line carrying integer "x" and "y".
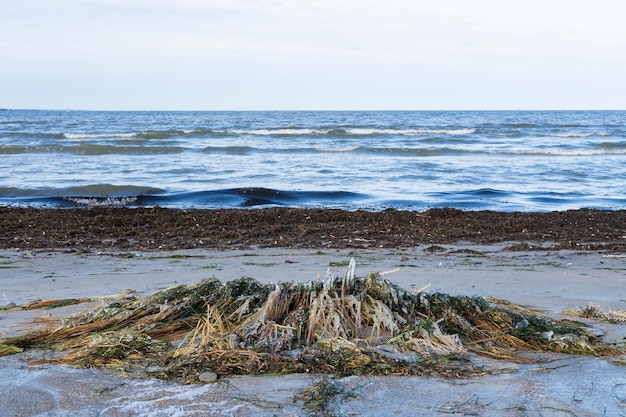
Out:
{"x": 540, "y": 274}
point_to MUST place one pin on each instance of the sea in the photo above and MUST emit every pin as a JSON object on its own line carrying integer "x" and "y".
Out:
{"x": 372, "y": 160}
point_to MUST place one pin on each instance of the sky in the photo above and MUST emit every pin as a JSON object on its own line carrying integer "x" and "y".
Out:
{"x": 313, "y": 55}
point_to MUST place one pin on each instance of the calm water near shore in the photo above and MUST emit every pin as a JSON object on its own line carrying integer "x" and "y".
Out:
{"x": 496, "y": 160}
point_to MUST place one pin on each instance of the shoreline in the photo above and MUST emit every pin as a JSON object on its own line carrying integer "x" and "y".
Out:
{"x": 149, "y": 229}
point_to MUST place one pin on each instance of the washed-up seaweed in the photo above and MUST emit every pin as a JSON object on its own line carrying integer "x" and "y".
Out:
{"x": 595, "y": 312}
{"x": 339, "y": 325}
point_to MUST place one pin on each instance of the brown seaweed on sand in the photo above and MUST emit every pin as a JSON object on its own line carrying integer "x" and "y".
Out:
{"x": 339, "y": 325}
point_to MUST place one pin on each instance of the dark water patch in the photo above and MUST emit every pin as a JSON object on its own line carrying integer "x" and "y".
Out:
{"x": 355, "y": 131}
{"x": 420, "y": 151}
{"x": 258, "y": 196}
{"x": 611, "y": 145}
{"x": 107, "y": 190}
{"x": 234, "y": 150}
{"x": 89, "y": 195}
{"x": 90, "y": 149}
{"x": 574, "y": 200}
{"x": 520, "y": 125}
{"x": 509, "y": 200}
{"x": 106, "y": 195}
{"x": 415, "y": 151}
{"x": 165, "y": 134}
{"x": 475, "y": 199}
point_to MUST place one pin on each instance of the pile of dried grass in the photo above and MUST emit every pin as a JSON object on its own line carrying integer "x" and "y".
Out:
{"x": 341, "y": 325}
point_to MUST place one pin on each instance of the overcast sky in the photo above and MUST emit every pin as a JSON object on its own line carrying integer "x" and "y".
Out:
{"x": 321, "y": 54}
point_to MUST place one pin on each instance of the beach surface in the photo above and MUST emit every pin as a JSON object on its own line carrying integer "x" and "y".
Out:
{"x": 569, "y": 266}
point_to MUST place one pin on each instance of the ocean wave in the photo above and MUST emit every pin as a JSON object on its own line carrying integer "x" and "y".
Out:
{"x": 188, "y": 153}
{"x": 279, "y": 131}
{"x": 601, "y": 149}
{"x": 413, "y": 132}
{"x": 90, "y": 149}
{"x": 477, "y": 192}
{"x": 562, "y": 152}
{"x": 569, "y": 135}
{"x": 103, "y": 201}
{"x": 165, "y": 134}
{"x": 453, "y": 148}
{"x": 93, "y": 195}
{"x": 149, "y": 134}
{"x": 107, "y": 195}
{"x": 127, "y": 150}
{"x": 91, "y": 190}
{"x": 421, "y": 151}
{"x": 108, "y": 190}
{"x": 577, "y": 134}
{"x": 403, "y": 151}
{"x": 98, "y": 135}
{"x": 352, "y": 131}
{"x": 514, "y": 200}
{"x": 612, "y": 145}
{"x": 237, "y": 150}
{"x": 520, "y": 125}
{"x": 338, "y": 149}
{"x": 12, "y": 149}
{"x": 260, "y": 196}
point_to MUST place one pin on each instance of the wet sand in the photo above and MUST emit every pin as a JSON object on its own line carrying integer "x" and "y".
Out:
{"x": 545, "y": 274}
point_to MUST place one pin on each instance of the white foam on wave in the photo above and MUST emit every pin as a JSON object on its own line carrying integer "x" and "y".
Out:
{"x": 98, "y": 135}
{"x": 562, "y": 152}
{"x": 577, "y": 134}
{"x": 103, "y": 202}
{"x": 409, "y": 132}
{"x": 341, "y": 149}
{"x": 285, "y": 131}
{"x": 570, "y": 135}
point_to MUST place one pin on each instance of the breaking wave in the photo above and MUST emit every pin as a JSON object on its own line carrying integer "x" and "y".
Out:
{"x": 107, "y": 195}
{"x": 98, "y": 135}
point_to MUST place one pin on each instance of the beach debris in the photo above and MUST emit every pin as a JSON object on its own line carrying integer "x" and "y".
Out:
{"x": 591, "y": 311}
{"x": 317, "y": 397}
{"x": 337, "y": 325}
{"x": 9, "y": 350}
{"x": 51, "y": 304}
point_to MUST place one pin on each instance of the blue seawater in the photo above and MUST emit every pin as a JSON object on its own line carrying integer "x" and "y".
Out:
{"x": 410, "y": 160}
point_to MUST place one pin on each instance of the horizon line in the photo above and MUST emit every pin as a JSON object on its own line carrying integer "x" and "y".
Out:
{"x": 299, "y": 110}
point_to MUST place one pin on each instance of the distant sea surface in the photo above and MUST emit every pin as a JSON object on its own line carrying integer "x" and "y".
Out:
{"x": 408, "y": 160}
